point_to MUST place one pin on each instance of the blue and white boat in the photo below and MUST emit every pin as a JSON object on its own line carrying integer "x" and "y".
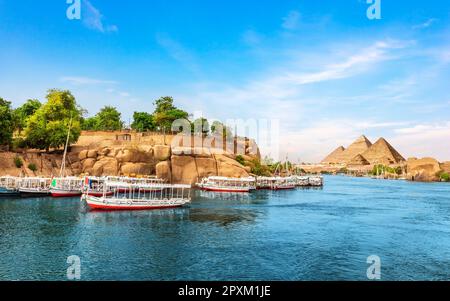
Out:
{"x": 9, "y": 187}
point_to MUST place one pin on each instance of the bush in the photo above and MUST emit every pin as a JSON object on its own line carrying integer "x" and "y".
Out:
{"x": 32, "y": 167}
{"x": 445, "y": 177}
{"x": 240, "y": 159}
{"x": 18, "y": 162}
{"x": 19, "y": 143}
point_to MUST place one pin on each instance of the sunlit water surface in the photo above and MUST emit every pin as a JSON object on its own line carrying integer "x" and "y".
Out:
{"x": 307, "y": 234}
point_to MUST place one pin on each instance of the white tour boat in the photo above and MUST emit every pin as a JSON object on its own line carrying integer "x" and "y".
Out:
{"x": 145, "y": 181}
{"x": 66, "y": 187}
{"x": 224, "y": 184}
{"x": 9, "y": 186}
{"x": 35, "y": 187}
{"x": 95, "y": 186}
{"x": 316, "y": 181}
{"x": 140, "y": 197}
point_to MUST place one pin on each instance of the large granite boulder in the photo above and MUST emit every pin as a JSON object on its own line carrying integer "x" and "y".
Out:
{"x": 206, "y": 167}
{"x": 92, "y": 154}
{"x": 227, "y": 167}
{"x": 137, "y": 169}
{"x": 88, "y": 163}
{"x": 82, "y": 155}
{"x": 184, "y": 169}
{"x": 106, "y": 166}
{"x": 163, "y": 171}
{"x": 161, "y": 152}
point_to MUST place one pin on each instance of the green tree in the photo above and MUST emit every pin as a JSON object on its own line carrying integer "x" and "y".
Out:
{"x": 22, "y": 113}
{"x": 89, "y": 124}
{"x": 200, "y": 124}
{"x": 49, "y": 125}
{"x": 166, "y": 113}
{"x": 218, "y": 126}
{"x": 6, "y": 122}
{"x": 109, "y": 119}
{"x": 142, "y": 122}
{"x": 164, "y": 104}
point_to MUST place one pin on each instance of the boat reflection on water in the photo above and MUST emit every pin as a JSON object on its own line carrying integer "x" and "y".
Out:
{"x": 235, "y": 196}
{"x": 112, "y": 217}
{"x": 223, "y": 217}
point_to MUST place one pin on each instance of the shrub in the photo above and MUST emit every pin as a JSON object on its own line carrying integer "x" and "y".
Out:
{"x": 19, "y": 143}
{"x": 445, "y": 176}
{"x": 18, "y": 162}
{"x": 32, "y": 167}
{"x": 240, "y": 159}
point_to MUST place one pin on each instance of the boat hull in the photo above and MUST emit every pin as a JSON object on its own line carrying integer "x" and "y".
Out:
{"x": 9, "y": 194}
{"x": 218, "y": 189}
{"x": 64, "y": 193}
{"x": 99, "y": 207}
{"x": 99, "y": 194}
{"x": 29, "y": 194}
{"x": 95, "y": 203}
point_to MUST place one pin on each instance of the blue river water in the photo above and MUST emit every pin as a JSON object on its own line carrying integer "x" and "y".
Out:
{"x": 307, "y": 234}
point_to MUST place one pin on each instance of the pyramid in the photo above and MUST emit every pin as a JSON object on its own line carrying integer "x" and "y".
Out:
{"x": 383, "y": 153}
{"x": 361, "y": 145}
{"x": 359, "y": 160}
{"x": 335, "y": 156}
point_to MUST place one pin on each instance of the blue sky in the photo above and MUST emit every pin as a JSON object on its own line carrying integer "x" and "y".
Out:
{"x": 322, "y": 68}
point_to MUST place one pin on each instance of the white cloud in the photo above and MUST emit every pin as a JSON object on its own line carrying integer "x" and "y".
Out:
{"x": 425, "y": 24}
{"x": 424, "y": 140}
{"x": 78, "y": 81}
{"x": 292, "y": 20}
{"x": 93, "y": 19}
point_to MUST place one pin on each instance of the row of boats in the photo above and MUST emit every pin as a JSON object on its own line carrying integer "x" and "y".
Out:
{"x": 105, "y": 193}
{"x": 245, "y": 185}
{"x": 125, "y": 193}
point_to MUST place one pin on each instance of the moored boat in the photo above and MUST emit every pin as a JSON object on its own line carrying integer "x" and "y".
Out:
{"x": 96, "y": 187}
{"x": 224, "y": 184}
{"x": 283, "y": 183}
{"x": 66, "y": 187}
{"x": 140, "y": 197}
{"x": 9, "y": 186}
{"x": 143, "y": 181}
{"x": 34, "y": 187}
{"x": 316, "y": 181}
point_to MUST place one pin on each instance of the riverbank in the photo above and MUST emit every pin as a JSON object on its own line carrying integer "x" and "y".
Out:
{"x": 137, "y": 154}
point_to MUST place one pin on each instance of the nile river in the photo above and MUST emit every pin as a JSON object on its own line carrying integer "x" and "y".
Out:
{"x": 307, "y": 234}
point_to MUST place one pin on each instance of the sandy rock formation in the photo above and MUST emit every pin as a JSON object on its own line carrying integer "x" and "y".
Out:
{"x": 423, "y": 170}
{"x": 161, "y": 152}
{"x": 137, "y": 169}
{"x": 184, "y": 169}
{"x": 163, "y": 171}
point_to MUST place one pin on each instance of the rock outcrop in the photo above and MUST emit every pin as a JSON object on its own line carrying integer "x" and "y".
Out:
{"x": 423, "y": 170}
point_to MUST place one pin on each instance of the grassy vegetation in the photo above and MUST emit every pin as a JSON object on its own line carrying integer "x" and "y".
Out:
{"x": 18, "y": 162}
{"x": 32, "y": 167}
{"x": 444, "y": 176}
